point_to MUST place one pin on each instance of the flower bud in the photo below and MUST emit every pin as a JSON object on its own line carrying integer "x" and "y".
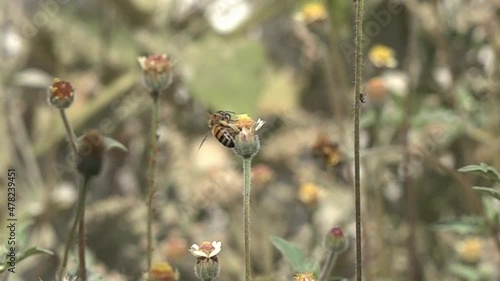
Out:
{"x": 157, "y": 72}
{"x": 91, "y": 148}
{"x": 246, "y": 142}
{"x": 207, "y": 263}
{"x": 335, "y": 240}
{"x": 162, "y": 271}
{"x": 61, "y": 94}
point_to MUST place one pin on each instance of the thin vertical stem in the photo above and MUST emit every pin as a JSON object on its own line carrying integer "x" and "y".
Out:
{"x": 151, "y": 176}
{"x": 326, "y": 271}
{"x": 247, "y": 170}
{"x": 357, "y": 95}
{"x": 74, "y": 150}
{"x": 71, "y": 237}
{"x": 69, "y": 132}
{"x": 81, "y": 229}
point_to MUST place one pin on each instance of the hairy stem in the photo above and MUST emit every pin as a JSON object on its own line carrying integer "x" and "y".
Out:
{"x": 326, "y": 271}
{"x": 357, "y": 95}
{"x": 247, "y": 170}
{"x": 151, "y": 176}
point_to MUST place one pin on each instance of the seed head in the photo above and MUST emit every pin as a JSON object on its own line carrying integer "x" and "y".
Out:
{"x": 157, "y": 72}
{"x": 61, "y": 94}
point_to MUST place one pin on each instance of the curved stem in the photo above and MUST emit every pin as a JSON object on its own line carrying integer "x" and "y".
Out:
{"x": 357, "y": 95}
{"x": 326, "y": 271}
{"x": 247, "y": 170}
{"x": 151, "y": 176}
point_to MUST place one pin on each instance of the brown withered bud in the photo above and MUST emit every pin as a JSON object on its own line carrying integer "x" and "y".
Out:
{"x": 91, "y": 148}
{"x": 61, "y": 94}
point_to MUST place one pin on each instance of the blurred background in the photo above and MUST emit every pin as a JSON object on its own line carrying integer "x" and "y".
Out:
{"x": 430, "y": 106}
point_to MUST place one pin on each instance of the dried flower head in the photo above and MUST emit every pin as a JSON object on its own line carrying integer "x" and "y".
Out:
{"x": 469, "y": 249}
{"x": 247, "y": 142}
{"x": 335, "y": 240}
{"x": 157, "y": 72}
{"x": 304, "y": 277}
{"x": 162, "y": 271}
{"x": 207, "y": 263}
{"x": 61, "y": 94}
{"x": 91, "y": 148}
{"x": 310, "y": 194}
{"x": 383, "y": 56}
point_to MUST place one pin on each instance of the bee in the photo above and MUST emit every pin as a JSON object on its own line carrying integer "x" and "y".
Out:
{"x": 223, "y": 128}
{"x": 328, "y": 151}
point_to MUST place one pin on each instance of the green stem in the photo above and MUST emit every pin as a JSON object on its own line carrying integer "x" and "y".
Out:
{"x": 326, "y": 271}
{"x": 81, "y": 229}
{"x": 74, "y": 150}
{"x": 247, "y": 171}
{"x": 357, "y": 95}
{"x": 151, "y": 176}
{"x": 69, "y": 132}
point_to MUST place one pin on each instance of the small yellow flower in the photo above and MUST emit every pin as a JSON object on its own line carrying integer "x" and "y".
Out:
{"x": 162, "y": 271}
{"x": 247, "y": 143}
{"x": 469, "y": 249}
{"x": 383, "y": 56}
{"x": 312, "y": 12}
{"x": 304, "y": 277}
{"x": 310, "y": 194}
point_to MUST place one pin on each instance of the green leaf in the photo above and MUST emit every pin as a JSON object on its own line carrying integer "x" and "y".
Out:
{"x": 463, "y": 271}
{"x": 463, "y": 226}
{"x": 495, "y": 193}
{"x": 31, "y": 252}
{"x": 293, "y": 255}
{"x": 483, "y": 170}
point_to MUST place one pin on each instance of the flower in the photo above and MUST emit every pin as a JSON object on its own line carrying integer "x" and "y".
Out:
{"x": 162, "y": 271}
{"x": 311, "y": 13}
{"x": 335, "y": 240}
{"x": 309, "y": 194}
{"x": 61, "y": 94}
{"x": 469, "y": 249}
{"x": 157, "y": 72}
{"x": 304, "y": 277}
{"x": 207, "y": 263}
{"x": 247, "y": 142}
{"x": 206, "y": 249}
{"x": 382, "y": 56}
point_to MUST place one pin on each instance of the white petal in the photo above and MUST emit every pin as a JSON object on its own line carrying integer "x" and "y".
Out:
{"x": 260, "y": 123}
{"x": 194, "y": 247}
{"x": 142, "y": 62}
